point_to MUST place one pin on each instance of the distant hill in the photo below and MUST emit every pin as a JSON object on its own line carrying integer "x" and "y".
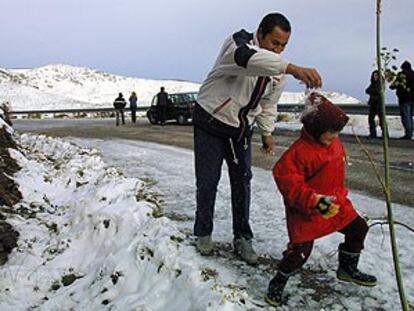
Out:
{"x": 335, "y": 97}
{"x": 62, "y": 86}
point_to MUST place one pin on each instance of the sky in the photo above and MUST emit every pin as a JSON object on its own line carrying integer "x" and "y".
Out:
{"x": 180, "y": 39}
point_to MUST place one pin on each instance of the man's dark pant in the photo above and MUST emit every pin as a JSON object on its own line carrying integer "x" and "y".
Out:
{"x": 406, "y": 111}
{"x": 210, "y": 151}
{"x": 162, "y": 113}
{"x": 374, "y": 110}
{"x": 298, "y": 253}
{"x": 133, "y": 115}
{"x": 119, "y": 113}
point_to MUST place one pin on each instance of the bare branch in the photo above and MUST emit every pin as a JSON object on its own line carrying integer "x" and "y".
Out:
{"x": 395, "y": 223}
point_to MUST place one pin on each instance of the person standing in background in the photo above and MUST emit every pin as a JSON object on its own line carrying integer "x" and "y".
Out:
{"x": 133, "y": 106}
{"x": 119, "y": 105}
{"x": 374, "y": 102}
{"x": 404, "y": 86}
{"x": 162, "y": 102}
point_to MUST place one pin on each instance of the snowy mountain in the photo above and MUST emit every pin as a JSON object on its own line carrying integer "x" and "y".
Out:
{"x": 62, "y": 86}
{"x": 335, "y": 97}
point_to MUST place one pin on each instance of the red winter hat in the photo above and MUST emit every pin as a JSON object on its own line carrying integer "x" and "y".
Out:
{"x": 321, "y": 115}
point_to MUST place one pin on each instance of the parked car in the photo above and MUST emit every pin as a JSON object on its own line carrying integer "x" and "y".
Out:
{"x": 180, "y": 108}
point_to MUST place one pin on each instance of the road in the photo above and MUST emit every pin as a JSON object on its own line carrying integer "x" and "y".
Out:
{"x": 360, "y": 174}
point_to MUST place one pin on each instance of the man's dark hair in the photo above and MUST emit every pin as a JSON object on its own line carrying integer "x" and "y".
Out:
{"x": 272, "y": 20}
{"x": 406, "y": 65}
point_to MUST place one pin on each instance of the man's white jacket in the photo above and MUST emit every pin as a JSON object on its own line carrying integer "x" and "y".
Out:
{"x": 245, "y": 84}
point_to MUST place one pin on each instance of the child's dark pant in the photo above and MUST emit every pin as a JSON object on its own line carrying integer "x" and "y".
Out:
{"x": 297, "y": 254}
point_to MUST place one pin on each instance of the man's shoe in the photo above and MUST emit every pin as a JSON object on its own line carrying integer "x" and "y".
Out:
{"x": 205, "y": 245}
{"x": 243, "y": 247}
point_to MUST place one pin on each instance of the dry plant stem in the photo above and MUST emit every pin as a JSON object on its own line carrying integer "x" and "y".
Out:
{"x": 395, "y": 255}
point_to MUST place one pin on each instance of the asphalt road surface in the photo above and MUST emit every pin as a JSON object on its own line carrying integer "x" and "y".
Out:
{"x": 360, "y": 173}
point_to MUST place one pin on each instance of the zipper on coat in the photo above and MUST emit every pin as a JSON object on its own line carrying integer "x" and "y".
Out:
{"x": 261, "y": 84}
{"x": 222, "y": 105}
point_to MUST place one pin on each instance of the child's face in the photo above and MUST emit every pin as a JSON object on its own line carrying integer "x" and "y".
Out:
{"x": 328, "y": 137}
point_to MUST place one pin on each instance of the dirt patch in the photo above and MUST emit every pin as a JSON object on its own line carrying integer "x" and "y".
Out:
{"x": 9, "y": 193}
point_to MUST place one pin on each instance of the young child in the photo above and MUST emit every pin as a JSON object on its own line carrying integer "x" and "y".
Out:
{"x": 311, "y": 178}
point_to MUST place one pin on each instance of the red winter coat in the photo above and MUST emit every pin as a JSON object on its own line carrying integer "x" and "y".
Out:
{"x": 305, "y": 170}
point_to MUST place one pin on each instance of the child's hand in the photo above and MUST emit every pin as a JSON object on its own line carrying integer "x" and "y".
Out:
{"x": 325, "y": 206}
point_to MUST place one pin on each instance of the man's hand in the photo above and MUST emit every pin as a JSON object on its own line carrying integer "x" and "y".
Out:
{"x": 268, "y": 145}
{"x": 309, "y": 76}
{"x": 325, "y": 206}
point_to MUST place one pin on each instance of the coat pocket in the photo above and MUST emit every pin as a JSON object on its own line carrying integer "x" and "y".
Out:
{"x": 208, "y": 123}
{"x": 221, "y": 106}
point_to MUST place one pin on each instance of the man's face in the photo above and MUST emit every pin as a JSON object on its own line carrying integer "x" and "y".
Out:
{"x": 275, "y": 41}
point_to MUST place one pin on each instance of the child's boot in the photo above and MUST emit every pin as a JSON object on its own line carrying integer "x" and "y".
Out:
{"x": 275, "y": 289}
{"x": 348, "y": 271}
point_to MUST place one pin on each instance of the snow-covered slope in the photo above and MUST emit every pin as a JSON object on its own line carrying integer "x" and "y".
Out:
{"x": 92, "y": 239}
{"x": 65, "y": 87}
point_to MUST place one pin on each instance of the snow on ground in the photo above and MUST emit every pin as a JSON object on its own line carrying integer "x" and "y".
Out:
{"x": 171, "y": 169}
{"x": 89, "y": 241}
{"x": 91, "y": 230}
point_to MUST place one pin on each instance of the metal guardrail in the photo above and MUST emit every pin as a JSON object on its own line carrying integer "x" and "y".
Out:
{"x": 80, "y": 110}
{"x": 355, "y": 109}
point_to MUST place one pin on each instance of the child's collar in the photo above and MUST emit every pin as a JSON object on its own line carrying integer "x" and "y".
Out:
{"x": 305, "y": 135}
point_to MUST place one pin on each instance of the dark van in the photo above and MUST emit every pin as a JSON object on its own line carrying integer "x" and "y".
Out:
{"x": 180, "y": 108}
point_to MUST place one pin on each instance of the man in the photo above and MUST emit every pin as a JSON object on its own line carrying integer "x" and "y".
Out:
{"x": 404, "y": 86}
{"x": 374, "y": 102}
{"x": 162, "y": 102}
{"x": 119, "y": 105}
{"x": 243, "y": 87}
{"x": 133, "y": 106}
